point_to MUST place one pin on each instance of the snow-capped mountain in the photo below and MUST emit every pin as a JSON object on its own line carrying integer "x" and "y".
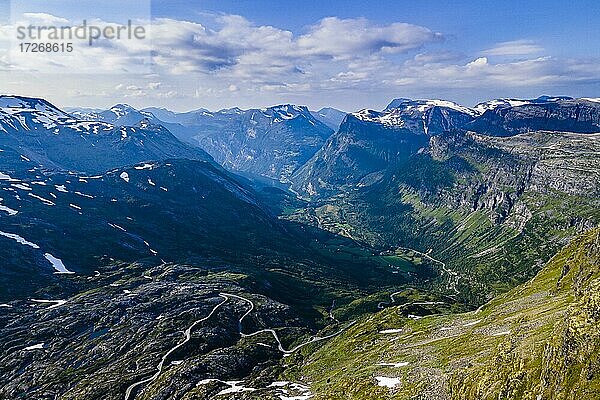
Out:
{"x": 369, "y": 141}
{"x": 118, "y": 115}
{"x": 23, "y": 113}
{"x": 270, "y": 142}
{"x": 183, "y": 118}
{"x": 424, "y": 105}
{"x": 507, "y": 103}
{"x": 429, "y": 117}
{"x": 57, "y": 140}
{"x": 508, "y": 117}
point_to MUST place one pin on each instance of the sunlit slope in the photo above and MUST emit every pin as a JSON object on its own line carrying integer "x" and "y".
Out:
{"x": 538, "y": 341}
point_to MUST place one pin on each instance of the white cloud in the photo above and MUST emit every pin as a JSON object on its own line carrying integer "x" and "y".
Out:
{"x": 243, "y": 50}
{"x": 480, "y": 73}
{"x": 45, "y": 18}
{"x": 237, "y": 61}
{"x": 350, "y": 38}
{"x": 514, "y": 48}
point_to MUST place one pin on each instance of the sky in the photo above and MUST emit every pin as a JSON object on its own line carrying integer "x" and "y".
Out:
{"x": 345, "y": 54}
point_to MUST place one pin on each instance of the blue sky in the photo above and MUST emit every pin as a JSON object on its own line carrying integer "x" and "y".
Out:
{"x": 346, "y": 54}
{"x": 568, "y": 29}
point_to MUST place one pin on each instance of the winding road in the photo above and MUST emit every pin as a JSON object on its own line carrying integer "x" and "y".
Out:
{"x": 188, "y": 334}
{"x": 452, "y": 283}
{"x": 275, "y": 336}
{"x": 381, "y": 305}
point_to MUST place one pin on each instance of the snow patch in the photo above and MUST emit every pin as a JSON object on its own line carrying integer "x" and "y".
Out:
{"x": 57, "y": 264}
{"x": 387, "y": 381}
{"x": 8, "y": 210}
{"x": 34, "y": 347}
{"x": 387, "y": 331}
{"x": 19, "y": 239}
{"x": 55, "y": 303}
{"x": 394, "y": 365}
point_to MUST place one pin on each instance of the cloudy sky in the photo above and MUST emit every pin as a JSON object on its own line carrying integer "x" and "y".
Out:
{"x": 341, "y": 53}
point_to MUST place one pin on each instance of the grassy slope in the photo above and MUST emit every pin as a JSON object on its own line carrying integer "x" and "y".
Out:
{"x": 539, "y": 339}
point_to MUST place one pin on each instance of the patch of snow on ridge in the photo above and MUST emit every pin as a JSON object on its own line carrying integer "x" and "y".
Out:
{"x": 235, "y": 388}
{"x": 5, "y": 177}
{"x": 497, "y": 103}
{"x": 8, "y": 210}
{"x": 57, "y": 264}
{"x": 19, "y": 239}
{"x": 34, "y": 347}
{"x": 124, "y": 176}
{"x": 43, "y": 200}
{"x": 446, "y": 104}
{"x": 286, "y": 390}
{"x": 388, "y": 118}
{"x": 144, "y": 166}
{"x": 394, "y": 365}
{"x": 55, "y": 303}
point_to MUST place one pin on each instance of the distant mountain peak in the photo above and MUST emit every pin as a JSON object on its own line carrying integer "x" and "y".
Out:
{"x": 233, "y": 110}
{"x": 28, "y": 104}
{"x": 123, "y": 107}
{"x": 509, "y": 117}
{"x": 553, "y": 98}
{"x": 286, "y": 111}
{"x": 330, "y": 116}
{"x": 514, "y": 102}
{"x": 423, "y": 105}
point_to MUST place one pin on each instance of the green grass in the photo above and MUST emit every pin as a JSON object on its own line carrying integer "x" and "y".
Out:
{"x": 556, "y": 311}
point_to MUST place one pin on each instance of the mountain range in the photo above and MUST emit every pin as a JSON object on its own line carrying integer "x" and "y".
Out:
{"x": 303, "y": 254}
{"x": 270, "y": 143}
